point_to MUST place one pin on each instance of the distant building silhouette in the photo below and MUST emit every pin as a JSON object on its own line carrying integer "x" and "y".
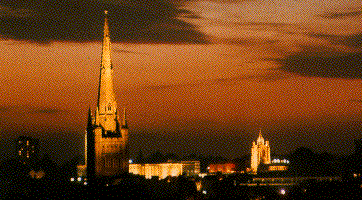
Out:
{"x": 260, "y": 153}
{"x": 358, "y": 146}
{"x": 27, "y": 149}
{"x": 106, "y": 135}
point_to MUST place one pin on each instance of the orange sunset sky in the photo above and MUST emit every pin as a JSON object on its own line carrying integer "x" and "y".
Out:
{"x": 195, "y": 76}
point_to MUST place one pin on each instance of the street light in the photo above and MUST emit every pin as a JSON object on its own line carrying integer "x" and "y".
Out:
{"x": 282, "y": 191}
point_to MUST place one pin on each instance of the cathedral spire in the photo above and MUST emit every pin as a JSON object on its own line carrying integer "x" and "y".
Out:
{"x": 107, "y": 105}
{"x": 260, "y": 138}
{"x": 107, "y": 143}
{"x": 106, "y": 47}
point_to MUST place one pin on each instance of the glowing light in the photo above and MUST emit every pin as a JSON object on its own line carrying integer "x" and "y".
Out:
{"x": 130, "y": 161}
{"x": 204, "y": 192}
{"x": 79, "y": 179}
{"x": 282, "y": 191}
{"x": 72, "y": 179}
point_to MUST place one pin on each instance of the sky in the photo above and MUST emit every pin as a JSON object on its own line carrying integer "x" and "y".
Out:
{"x": 195, "y": 76}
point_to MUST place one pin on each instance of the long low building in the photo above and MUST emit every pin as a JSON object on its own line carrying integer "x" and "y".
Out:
{"x": 163, "y": 170}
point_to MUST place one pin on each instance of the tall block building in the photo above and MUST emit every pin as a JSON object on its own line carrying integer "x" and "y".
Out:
{"x": 27, "y": 149}
{"x": 107, "y": 134}
{"x": 260, "y": 153}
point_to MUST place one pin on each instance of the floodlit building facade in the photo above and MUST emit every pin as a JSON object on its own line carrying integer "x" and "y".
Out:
{"x": 260, "y": 153}
{"x": 224, "y": 168}
{"x": 278, "y": 165}
{"x": 164, "y": 170}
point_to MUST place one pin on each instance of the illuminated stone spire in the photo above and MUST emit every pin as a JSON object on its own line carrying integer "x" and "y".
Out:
{"x": 106, "y": 47}
{"x": 107, "y": 139}
{"x": 107, "y": 105}
{"x": 260, "y": 138}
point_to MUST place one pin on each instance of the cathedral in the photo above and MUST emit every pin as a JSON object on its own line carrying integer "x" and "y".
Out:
{"x": 260, "y": 153}
{"x": 106, "y": 134}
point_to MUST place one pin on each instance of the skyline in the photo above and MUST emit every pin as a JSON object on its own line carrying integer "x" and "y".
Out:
{"x": 253, "y": 64}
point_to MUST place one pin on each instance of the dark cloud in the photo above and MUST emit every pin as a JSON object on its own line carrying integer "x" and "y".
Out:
{"x": 354, "y": 40}
{"x": 338, "y": 15}
{"x": 148, "y": 21}
{"x": 310, "y": 62}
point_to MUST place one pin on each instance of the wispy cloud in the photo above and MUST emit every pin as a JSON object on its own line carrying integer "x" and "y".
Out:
{"x": 338, "y": 15}
{"x": 272, "y": 75}
{"x": 249, "y": 41}
{"x": 127, "y": 51}
{"x": 28, "y": 109}
{"x": 359, "y": 101}
{"x": 47, "y": 111}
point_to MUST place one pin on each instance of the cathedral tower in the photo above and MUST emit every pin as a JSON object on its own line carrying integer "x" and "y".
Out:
{"x": 260, "y": 153}
{"x": 107, "y": 134}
